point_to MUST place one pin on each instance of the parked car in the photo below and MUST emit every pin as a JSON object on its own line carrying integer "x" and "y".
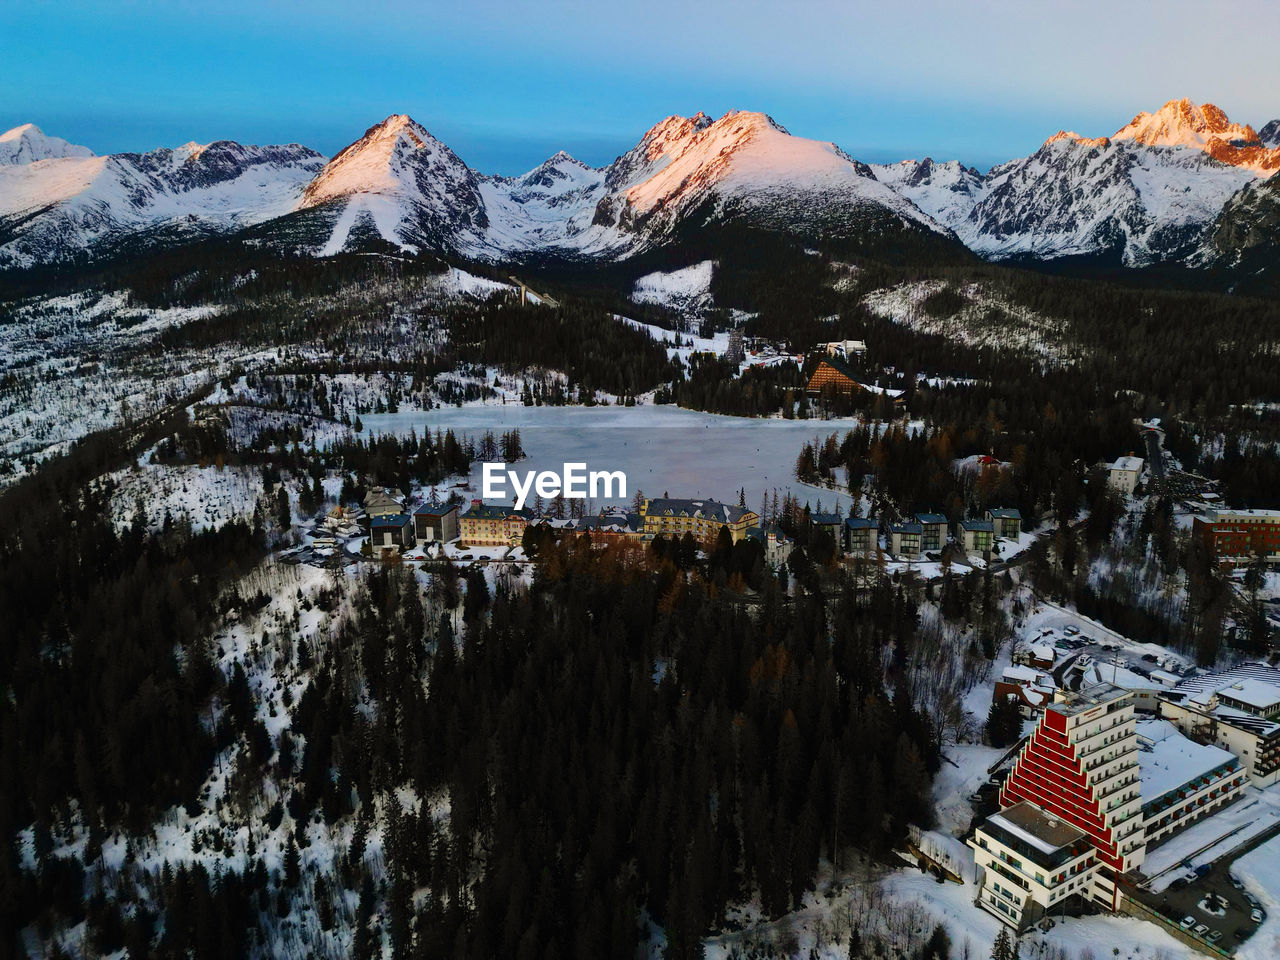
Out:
{"x": 1256, "y": 915}
{"x": 1071, "y": 630}
{"x": 1200, "y": 929}
{"x": 977, "y": 798}
{"x": 1085, "y": 660}
{"x": 1253, "y": 901}
{"x": 1203, "y": 870}
{"x": 1150, "y": 657}
{"x": 1235, "y": 881}
{"x": 1187, "y": 923}
{"x": 1213, "y": 936}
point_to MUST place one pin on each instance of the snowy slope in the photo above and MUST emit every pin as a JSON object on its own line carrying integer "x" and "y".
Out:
{"x": 403, "y": 182}
{"x": 1145, "y": 194}
{"x": 28, "y": 143}
{"x": 946, "y": 191}
{"x": 549, "y": 206}
{"x": 1246, "y": 234}
{"x": 687, "y": 289}
{"x": 59, "y": 207}
{"x": 746, "y": 164}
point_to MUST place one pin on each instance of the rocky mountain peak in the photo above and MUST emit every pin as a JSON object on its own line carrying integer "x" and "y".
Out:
{"x": 27, "y": 143}
{"x": 1072, "y": 136}
{"x": 1182, "y": 123}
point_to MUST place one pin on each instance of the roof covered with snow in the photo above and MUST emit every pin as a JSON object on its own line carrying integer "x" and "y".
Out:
{"x": 1255, "y": 685}
{"x": 1168, "y": 761}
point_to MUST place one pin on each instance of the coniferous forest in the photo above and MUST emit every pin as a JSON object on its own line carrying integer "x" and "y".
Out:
{"x": 213, "y": 752}
{"x": 620, "y": 740}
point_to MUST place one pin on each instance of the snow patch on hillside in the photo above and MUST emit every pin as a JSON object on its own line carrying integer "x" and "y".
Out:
{"x": 984, "y": 321}
{"x": 687, "y": 289}
{"x": 198, "y": 497}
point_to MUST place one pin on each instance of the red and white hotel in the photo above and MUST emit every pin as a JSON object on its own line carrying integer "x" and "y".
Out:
{"x": 1086, "y": 768}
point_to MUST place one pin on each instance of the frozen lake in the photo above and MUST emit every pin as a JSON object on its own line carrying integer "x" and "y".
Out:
{"x": 661, "y": 449}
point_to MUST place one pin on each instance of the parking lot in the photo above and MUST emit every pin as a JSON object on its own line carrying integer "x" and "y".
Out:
{"x": 1209, "y": 904}
{"x": 1082, "y": 656}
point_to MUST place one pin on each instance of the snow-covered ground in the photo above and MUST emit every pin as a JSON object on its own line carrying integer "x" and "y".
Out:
{"x": 985, "y": 320}
{"x": 951, "y": 904}
{"x": 687, "y": 289}
{"x": 198, "y": 496}
{"x": 962, "y": 772}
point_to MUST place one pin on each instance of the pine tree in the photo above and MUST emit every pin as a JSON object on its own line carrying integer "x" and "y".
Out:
{"x": 1000, "y": 950}
{"x": 284, "y": 515}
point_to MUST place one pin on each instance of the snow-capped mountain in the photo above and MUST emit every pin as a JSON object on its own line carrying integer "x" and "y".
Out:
{"x": 402, "y": 183}
{"x": 1145, "y": 194}
{"x": 684, "y": 172}
{"x": 1181, "y": 123}
{"x": 1150, "y": 192}
{"x": 1083, "y": 198}
{"x": 1245, "y": 238}
{"x": 948, "y": 191}
{"x": 28, "y": 143}
{"x": 747, "y": 165}
{"x": 549, "y": 207}
{"x": 58, "y": 207}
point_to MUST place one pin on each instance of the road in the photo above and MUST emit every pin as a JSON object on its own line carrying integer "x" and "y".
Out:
{"x": 1155, "y": 453}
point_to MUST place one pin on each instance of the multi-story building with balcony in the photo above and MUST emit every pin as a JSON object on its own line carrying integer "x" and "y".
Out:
{"x": 1092, "y": 768}
{"x": 486, "y": 525}
{"x": 1182, "y": 781}
{"x": 1080, "y": 765}
{"x": 976, "y": 536}
{"x": 1029, "y": 863}
{"x": 1007, "y": 522}
{"x": 1237, "y": 710}
{"x": 933, "y": 531}
{"x": 904, "y": 539}
{"x": 670, "y": 517}
{"x": 861, "y": 535}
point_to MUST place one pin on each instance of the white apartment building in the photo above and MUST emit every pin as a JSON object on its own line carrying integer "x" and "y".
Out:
{"x": 1182, "y": 781}
{"x": 1080, "y": 765}
{"x": 1237, "y": 710}
{"x": 1123, "y": 475}
{"x": 1027, "y": 863}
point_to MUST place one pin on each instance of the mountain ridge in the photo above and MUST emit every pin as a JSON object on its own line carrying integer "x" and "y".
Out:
{"x": 1153, "y": 191}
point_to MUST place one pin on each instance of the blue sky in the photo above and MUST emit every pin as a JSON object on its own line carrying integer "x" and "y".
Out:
{"x": 508, "y": 83}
